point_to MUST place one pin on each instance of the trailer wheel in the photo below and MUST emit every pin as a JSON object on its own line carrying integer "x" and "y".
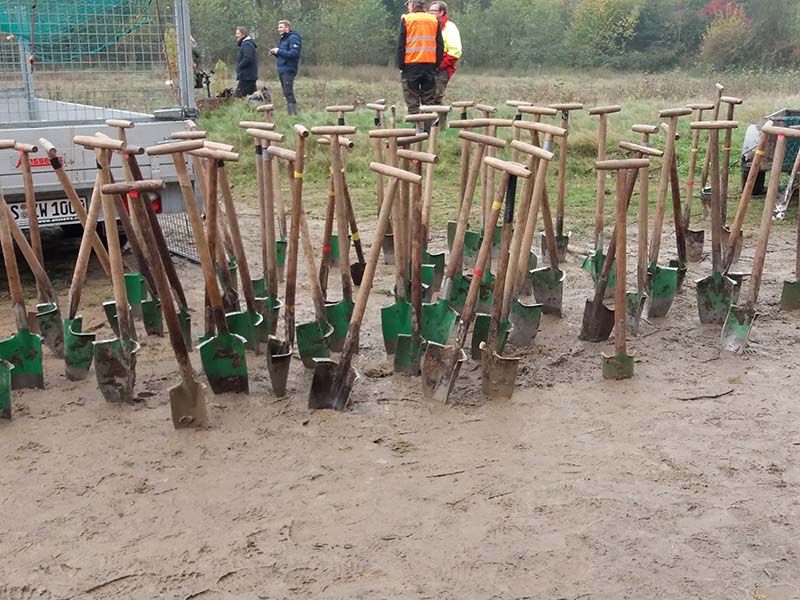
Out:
{"x": 758, "y": 188}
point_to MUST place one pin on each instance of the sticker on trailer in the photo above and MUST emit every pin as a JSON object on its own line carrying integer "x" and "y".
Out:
{"x": 49, "y": 212}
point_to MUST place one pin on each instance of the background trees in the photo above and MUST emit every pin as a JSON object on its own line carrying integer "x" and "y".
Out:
{"x": 524, "y": 35}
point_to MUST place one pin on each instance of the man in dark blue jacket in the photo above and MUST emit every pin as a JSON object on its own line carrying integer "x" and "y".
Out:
{"x": 288, "y": 58}
{"x": 246, "y": 63}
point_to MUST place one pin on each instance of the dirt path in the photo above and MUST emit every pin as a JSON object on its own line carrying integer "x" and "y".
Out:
{"x": 576, "y": 488}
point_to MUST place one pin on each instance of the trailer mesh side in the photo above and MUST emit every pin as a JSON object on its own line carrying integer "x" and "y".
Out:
{"x": 178, "y": 233}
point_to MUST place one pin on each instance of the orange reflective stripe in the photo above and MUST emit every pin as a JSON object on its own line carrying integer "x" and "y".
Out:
{"x": 421, "y": 30}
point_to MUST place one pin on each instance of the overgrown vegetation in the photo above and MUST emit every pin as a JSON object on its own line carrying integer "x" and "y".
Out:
{"x": 649, "y": 35}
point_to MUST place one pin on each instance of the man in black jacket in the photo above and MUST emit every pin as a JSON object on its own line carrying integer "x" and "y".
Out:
{"x": 246, "y": 63}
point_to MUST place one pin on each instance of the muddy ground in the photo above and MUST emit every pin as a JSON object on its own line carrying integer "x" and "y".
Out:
{"x": 680, "y": 483}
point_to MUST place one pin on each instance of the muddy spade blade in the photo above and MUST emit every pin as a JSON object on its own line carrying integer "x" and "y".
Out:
{"x": 598, "y": 322}
{"x": 395, "y": 321}
{"x": 562, "y": 243}
{"x": 225, "y": 364}
{"x": 187, "y": 402}
{"x": 338, "y": 314}
{"x": 524, "y": 319}
{"x": 695, "y": 239}
{"x": 186, "y": 327}
{"x": 24, "y": 351}
{"x": 593, "y": 264}
{"x": 499, "y": 374}
{"x": 280, "y": 255}
{"x": 6, "y": 368}
{"x": 134, "y": 287}
{"x": 270, "y": 308}
{"x": 480, "y": 333}
{"x": 790, "y": 295}
{"x": 312, "y": 341}
{"x": 451, "y": 233}
{"x": 617, "y": 366}
{"x": 681, "y": 268}
{"x": 440, "y": 367}
{"x": 663, "y": 285}
{"x": 48, "y": 319}
{"x": 279, "y": 360}
{"x": 736, "y": 330}
{"x": 438, "y": 320}
{"x": 357, "y": 272}
{"x": 78, "y": 350}
{"x": 472, "y": 243}
{"x": 548, "y": 289}
{"x": 388, "y": 249}
{"x": 115, "y": 368}
{"x": 714, "y": 298}
{"x": 634, "y": 306}
{"x": 408, "y": 355}
{"x": 152, "y": 317}
{"x": 460, "y": 290}
{"x": 330, "y": 388}
{"x": 260, "y": 287}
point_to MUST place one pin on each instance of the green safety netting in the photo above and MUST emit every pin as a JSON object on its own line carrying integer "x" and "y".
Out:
{"x": 66, "y": 30}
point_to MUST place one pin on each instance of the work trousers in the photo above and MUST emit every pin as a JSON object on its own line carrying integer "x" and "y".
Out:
{"x": 419, "y": 87}
{"x": 287, "y": 85}
{"x": 442, "y": 79}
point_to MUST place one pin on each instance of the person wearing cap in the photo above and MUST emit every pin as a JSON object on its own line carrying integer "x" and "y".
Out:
{"x": 452, "y": 49}
{"x": 287, "y": 54}
{"x": 420, "y": 49}
{"x": 246, "y": 63}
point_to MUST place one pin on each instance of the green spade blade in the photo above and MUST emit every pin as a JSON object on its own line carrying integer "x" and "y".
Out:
{"x": 225, "y": 364}
{"x": 617, "y": 366}
{"x": 714, "y": 298}
{"x": 110, "y": 310}
{"x": 562, "y": 244}
{"x": 395, "y": 320}
{"x": 663, "y": 285}
{"x": 312, "y": 341}
{"x": 472, "y": 243}
{"x": 249, "y": 326}
{"x": 280, "y": 252}
{"x": 338, "y": 314}
{"x": 548, "y": 289}
{"x": 524, "y": 319}
{"x": 335, "y": 250}
{"x": 634, "y": 305}
{"x": 270, "y": 309}
{"x": 594, "y": 264}
{"x": 78, "y": 350}
{"x": 134, "y": 287}
{"x": 24, "y": 351}
{"x": 152, "y": 317}
{"x": 437, "y": 259}
{"x": 480, "y": 333}
{"x": 533, "y": 261}
{"x": 451, "y": 233}
{"x": 408, "y": 354}
{"x": 51, "y": 327}
{"x": 438, "y": 320}
{"x": 115, "y": 368}
{"x": 260, "y": 287}
{"x": 460, "y": 289}
{"x": 737, "y": 327}
{"x": 790, "y": 295}
{"x": 6, "y": 368}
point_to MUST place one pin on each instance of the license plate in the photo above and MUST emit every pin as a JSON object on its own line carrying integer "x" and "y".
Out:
{"x": 49, "y": 212}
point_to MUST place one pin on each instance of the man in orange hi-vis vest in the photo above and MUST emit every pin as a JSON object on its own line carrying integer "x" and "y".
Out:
{"x": 420, "y": 49}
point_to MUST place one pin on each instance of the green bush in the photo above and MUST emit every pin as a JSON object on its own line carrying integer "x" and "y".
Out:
{"x": 600, "y": 30}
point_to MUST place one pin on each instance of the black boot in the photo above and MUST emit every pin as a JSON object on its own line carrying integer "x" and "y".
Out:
{"x": 292, "y": 108}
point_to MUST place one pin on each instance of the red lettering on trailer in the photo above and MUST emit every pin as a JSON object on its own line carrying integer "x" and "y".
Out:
{"x": 38, "y": 162}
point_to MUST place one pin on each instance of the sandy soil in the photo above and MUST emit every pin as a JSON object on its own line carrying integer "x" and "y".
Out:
{"x": 576, "y": 488}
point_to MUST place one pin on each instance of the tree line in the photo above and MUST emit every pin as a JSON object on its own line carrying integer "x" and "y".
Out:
{"x": 524, "y": 35}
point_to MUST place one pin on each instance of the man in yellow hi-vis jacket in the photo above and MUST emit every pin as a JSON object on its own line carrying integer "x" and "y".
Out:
{"x": 420, "y": 48}
{"x": 452, "y": 49}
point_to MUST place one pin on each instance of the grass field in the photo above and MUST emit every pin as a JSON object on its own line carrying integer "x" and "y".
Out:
{"x": 641, "y": 96}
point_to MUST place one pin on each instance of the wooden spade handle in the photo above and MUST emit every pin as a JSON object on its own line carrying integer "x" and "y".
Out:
{"x": 378, "y": 108}
{"x": 373, "y": 133}
{"x": 7, "y": 144}
{"x": 766, "y": 215}
{"x": 420, "y": 117}
{"x": 126, "y": 187}
{"x": 26, "y": 148}
{"x": 282, "y": 153}
{"x": 336, "y": 130}
{"x": 626, "y": 163}
{"x": 538, "y": 110}
{"x": 468, "y": 123}
{"x": 256, "y": 125}
{"x": 265, "y": 108}
{"x": 12, "y": 270}
{"x": 567, "y": 106}
{"x": 120, "y": 123}
{"x": 649, "y": 129}
{"x": 423, "y": 157}
{"x": 463, "y": 103}
{"x": 188, "y": 135}
{"x": 605, "y": 110}
{"x": 714, "y": 125}
{"x": 663, "y": 184}
{"x": 540, "y": 127}
{"x": 96, "y": 143}
{"x": 265, "y": 135}
{"x": 340, "y": 108}
{"x": 219, "y": 146}
{"x": 484, "y": 140}
{"x": 236, "y": 238}
{"x": 620, "y": 289}
{"x": 174, "y": 147}
{"x": 507, "y": 166}
{"x": 212, "y": 154}
{"x": 681, "y": 111}
{"x": 641, "y": 149}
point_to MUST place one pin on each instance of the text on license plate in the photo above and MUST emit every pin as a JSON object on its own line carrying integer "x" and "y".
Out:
{"x": 47, "y": 212}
